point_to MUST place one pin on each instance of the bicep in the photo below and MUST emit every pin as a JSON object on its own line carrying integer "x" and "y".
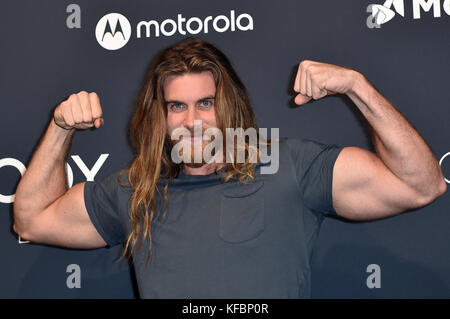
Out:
{"x": 66, "y": 223}
{"x": 364, "y": 188}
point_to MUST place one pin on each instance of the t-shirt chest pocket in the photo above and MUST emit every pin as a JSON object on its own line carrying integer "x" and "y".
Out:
{"x": 242, "y": 212}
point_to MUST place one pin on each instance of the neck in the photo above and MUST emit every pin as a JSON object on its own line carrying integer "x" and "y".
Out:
{"x": 202, "y": 170}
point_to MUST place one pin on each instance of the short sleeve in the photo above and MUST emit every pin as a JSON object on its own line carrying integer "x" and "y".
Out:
{"x": 313, "y": 165}
{"x": 107, "y": 205}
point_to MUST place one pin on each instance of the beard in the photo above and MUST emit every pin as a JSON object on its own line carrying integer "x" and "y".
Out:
{"x": 190, "y": 148}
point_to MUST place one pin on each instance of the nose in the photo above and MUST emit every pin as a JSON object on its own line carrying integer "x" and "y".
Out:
{"x": 190, "y": 117}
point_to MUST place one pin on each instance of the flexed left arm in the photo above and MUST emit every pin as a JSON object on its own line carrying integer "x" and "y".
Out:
{"x": 403, "y": 173}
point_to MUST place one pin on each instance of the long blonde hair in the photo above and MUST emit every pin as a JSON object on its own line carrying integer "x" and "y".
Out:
{"x": 149, "y": 131}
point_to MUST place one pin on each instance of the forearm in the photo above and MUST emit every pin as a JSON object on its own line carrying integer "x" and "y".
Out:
{"x": 45, "y": 178}
{"x": 396, "y": 142}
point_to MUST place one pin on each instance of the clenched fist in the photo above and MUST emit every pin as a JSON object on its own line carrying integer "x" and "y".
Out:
{"x": 79, "y": 111}
{"x": 315, "y": 80}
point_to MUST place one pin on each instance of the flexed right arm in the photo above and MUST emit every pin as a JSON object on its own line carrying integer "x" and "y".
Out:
{"x": 45, "y": 210}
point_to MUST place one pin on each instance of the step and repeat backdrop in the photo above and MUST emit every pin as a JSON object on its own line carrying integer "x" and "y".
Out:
{"x": 50, "y": 49}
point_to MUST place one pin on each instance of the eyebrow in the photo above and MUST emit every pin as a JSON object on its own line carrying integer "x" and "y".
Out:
{"x": 209, "y": 97}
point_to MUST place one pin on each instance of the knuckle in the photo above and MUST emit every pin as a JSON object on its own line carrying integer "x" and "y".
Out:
{"x": 62, "y": 105}
{"x": 66, "y": 107}
{"x": 68, "y": 119}
{"x": 94, "y": 95}
{"x": 97, "y": 112}
{"x": 77, "y": 115}
{"x": 87, "y": 117}
{"x": 83, "y": 94}
{"x": 86, "y": 110}
{"x": 72, "y": 100}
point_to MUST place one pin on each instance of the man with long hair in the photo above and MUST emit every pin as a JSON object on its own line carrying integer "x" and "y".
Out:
{"x": 221, "y": 229}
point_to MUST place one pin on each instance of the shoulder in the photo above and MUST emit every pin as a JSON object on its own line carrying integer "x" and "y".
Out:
{"x": 302, "y": 143}
{"x": 111, "y": 183}
{"x": 308, "y": 147}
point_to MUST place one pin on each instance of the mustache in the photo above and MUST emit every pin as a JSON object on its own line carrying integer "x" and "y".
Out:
{"x": 191, "y": 132}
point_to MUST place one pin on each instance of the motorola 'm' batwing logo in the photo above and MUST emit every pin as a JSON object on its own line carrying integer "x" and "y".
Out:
{"x": 380, "y": 14}
{"x": 113, "y": 31}
{"x": 384, "y": 13}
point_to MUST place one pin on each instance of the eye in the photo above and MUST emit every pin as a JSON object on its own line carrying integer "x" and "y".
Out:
{"x": 176, "y": 107}
{"x": 206, "y": 104}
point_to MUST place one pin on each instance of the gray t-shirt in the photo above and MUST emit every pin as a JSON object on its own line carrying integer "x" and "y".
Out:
{"x": 229, "y": 240}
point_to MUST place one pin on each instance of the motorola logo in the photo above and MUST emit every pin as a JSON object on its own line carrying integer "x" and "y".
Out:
{"x": 383, "y": 13}
{"x": 113, "y": 31}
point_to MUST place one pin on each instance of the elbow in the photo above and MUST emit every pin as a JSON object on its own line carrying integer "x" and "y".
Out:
{"x": 432, "y": 196}
{"x": 17, "y": 222}
{"x": 440, "y": 189}
{"x": 443, "y": 188}
{"x": 20, "y": 225}
{"x": 19, "y": 230}
{"x": 442, "y": 185}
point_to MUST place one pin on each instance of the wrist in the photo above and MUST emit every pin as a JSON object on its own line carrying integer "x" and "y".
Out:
{"x": 66, "y": 129}
{"x": 60, "y": 132}
{"x": 359, "y": 82}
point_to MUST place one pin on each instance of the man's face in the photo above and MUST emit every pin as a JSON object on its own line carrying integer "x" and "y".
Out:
{"x": 190, "y": 97}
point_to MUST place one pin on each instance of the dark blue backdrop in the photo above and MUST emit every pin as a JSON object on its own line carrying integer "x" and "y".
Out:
{"x": 43, "y": 61}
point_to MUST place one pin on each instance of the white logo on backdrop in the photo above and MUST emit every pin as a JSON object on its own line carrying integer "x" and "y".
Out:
{"x": 89, "y": 174}
{"x": 383, "y": 13}
{"x": 440, "y": 163}
{"x": 113, "y": 31}
{"x": 195, "y": 25}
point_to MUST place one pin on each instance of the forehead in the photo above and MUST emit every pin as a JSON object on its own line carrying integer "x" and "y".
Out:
{"x": 189, "y": 86}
